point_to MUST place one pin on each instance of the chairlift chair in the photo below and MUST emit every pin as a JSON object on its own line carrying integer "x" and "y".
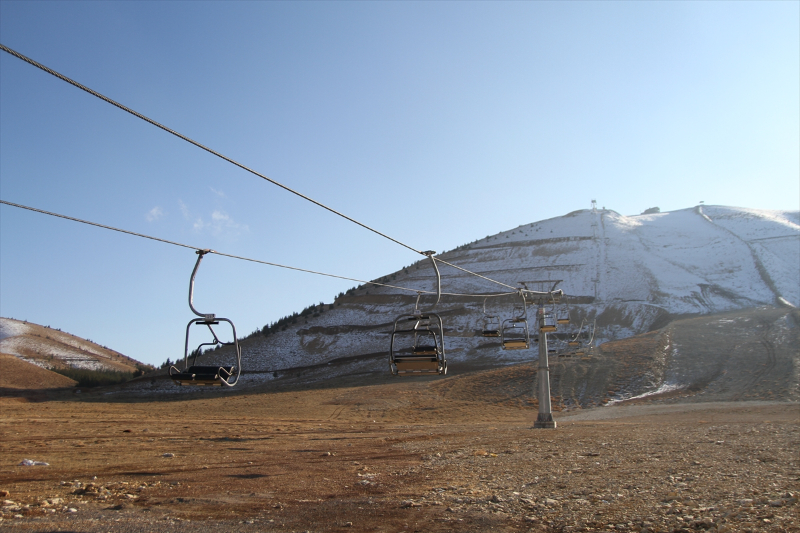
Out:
{"x": 491, "y": 323}
{"x": 563, "y": 313}
{"x": 206, "y": 375}
{"x": 425, "y": 352}
{"x": 547, "y": 321}
{"x": 514, "y": 333}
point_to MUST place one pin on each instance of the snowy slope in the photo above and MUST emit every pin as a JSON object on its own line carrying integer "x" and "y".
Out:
{"x": 627, "y": 272}
{"x": 49, "y": 348}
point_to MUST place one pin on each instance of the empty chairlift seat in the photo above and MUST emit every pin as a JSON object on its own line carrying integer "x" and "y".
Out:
{"x": 491, "y": 323}
{"x": 562, "y": 316}
{"x": 515, "y": 335}
{"x": 547, "y": 323}
{"x": 417, "y": 345}
{"x": 206, "y": 375}
{"x": 491, "y": 326}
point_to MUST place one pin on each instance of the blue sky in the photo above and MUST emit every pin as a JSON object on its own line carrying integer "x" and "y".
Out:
{"x": 436, "y": 123}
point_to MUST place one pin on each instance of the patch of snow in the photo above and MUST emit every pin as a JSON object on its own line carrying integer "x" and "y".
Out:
{"x": 28, "y": 462}
{"x": 20, "y": 346}
{"x": 12, "y": 328}
{"x": 665, "y": 387}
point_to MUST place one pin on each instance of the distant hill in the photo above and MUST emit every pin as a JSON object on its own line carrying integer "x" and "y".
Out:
{"x": 747, "y": 354}
{"x": 688, "y": 302}
{"x": 31, "y": 352}
{"x": 17, "y": 374}
{"x": 632, "y": 274}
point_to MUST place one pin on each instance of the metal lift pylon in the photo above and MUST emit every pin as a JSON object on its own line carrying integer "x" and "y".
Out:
{"x": 545, "y": 417}
{"x": 541, "y": 298}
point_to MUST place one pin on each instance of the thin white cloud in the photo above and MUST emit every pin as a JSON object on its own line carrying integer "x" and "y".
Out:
{"x": 154, "y": 214}
{"x": 220, "y": 225}
{"x": 218, "y": 193}
{"x": 184, "y": 210}
{"x": 220, "y": 217}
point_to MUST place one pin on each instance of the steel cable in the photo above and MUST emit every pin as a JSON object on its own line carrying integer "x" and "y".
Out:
{"x": 187, "y": 139}
{"x": 233, "y": 162}
{"x": 278, "y": 265}
{"x": 476, "y": 274}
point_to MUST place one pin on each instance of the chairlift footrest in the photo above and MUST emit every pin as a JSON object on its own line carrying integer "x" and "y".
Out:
{"x": 204, "y": 375}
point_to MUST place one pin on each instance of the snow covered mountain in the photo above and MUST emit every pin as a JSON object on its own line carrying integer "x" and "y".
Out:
{"x": 631, "y": 274}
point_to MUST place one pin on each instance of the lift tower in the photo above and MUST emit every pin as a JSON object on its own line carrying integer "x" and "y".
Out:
{"x": 544, "y": 295}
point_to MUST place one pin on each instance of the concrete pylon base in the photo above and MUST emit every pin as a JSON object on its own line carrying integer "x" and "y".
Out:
{"x": 544, "y": 422}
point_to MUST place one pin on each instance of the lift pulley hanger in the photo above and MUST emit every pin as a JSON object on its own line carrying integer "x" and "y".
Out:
{"x": 206, "y": 374}
{"x": 575, "y": 340}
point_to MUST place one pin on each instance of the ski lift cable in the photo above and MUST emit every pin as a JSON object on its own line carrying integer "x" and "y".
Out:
{"x": 515, "y": 289}
{"x": 199, "y": 248}
{"x": 191, "y": 141}
{"x": 228, "y": 159}
{"x": 278, "y": 265}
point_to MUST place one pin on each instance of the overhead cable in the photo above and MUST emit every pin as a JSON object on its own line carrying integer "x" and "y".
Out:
{"x": 278, "y": 265}
{"x": 475, "y": 274}
{"x": 187, "y": 139}
{"x": 229, "y": 160}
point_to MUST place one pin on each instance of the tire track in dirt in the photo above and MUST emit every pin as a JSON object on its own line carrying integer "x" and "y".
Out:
{"x": 765, "y": 368}
{"x": 337, "y": 412}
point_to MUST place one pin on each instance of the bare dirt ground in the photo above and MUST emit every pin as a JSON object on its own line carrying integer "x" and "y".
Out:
{"x": 424, "y": 455}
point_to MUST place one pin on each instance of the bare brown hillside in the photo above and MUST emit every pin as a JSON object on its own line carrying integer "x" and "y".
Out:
{"x": 50, "y": 348}
{"x": 19, "y": 375}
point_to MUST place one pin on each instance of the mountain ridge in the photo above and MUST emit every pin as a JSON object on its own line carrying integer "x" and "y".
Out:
{"x": 53, "y": 349}
{"x": 631, "y": 274}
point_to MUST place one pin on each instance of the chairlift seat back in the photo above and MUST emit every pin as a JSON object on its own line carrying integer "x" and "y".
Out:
{"x": 426, "y": 350}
